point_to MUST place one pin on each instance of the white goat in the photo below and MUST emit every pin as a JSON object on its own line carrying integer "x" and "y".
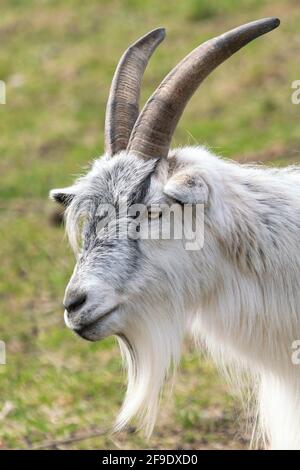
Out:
{"x": 239, "y": 294}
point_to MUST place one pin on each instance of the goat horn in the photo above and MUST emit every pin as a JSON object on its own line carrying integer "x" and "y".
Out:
{"x": 154, "y": 128}
{"x": 123, "y": 103}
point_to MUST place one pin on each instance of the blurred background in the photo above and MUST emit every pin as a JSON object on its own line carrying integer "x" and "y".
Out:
{"x": 57, "y": 59}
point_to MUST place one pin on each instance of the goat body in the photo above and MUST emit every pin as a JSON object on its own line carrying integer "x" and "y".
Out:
{"x": 249, "y": 313}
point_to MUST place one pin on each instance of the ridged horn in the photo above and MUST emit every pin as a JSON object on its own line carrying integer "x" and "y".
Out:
{"x": 123, "y": 103}
{"x": 152, "y": 133}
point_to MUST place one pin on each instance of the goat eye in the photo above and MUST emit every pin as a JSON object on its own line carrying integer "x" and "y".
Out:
{"x": 154, "y": 214}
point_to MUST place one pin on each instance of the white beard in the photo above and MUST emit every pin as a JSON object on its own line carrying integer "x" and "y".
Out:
{"x": 151, "y": 349}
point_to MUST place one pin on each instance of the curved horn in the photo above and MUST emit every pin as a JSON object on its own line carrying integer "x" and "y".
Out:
{"x": 123, "y": 103}
{"x": 154, "y": 128}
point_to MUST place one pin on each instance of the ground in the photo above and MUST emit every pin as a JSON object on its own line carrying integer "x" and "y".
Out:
{"x": 57, "y": 59}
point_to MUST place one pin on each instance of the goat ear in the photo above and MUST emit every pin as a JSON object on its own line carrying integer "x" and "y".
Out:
{"x": 187, "y": 187}
{"x": 62, "y": 196}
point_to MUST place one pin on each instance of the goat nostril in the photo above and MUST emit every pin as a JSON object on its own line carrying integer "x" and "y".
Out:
{"x": 74, "y": 303}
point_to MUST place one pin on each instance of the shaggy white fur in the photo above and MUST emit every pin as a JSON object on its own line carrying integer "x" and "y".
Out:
{"x": 239, "y": 295}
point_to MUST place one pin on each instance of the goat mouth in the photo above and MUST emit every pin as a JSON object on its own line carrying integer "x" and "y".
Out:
{"x": 87, "y": 331}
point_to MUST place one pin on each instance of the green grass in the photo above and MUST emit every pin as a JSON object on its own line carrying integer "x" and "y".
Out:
{"x": 57, "y": 59}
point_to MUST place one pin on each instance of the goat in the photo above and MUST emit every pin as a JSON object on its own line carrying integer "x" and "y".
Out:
{"x": 239, "y": 294}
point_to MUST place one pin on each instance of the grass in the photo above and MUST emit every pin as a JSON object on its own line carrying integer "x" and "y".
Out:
{"x": 57, "y": 59}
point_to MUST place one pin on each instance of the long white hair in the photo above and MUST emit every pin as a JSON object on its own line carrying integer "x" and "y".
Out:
{"x": 244, "y": 308}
